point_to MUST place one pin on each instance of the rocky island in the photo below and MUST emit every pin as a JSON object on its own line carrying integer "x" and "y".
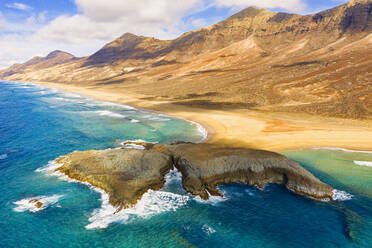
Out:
{"x": 126, "y": 174}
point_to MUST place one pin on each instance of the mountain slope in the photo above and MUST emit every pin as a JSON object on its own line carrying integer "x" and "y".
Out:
{"x": 256, "y": 59}
{"x": 37, "y": 63}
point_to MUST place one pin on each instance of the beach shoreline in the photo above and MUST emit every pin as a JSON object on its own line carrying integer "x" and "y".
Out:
{"x": 246, "y": 128}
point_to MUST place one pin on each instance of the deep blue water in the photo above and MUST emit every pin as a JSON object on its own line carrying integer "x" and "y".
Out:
{"x": 38, "y": 125}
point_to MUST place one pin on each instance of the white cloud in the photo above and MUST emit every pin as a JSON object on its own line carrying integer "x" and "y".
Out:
{"x": 103, "y": 20}
{"x": 3, "y": 22}
{"x": 19, "y": 6}
{"x": 289, "y": 5}
{"x": 100, "y": 21}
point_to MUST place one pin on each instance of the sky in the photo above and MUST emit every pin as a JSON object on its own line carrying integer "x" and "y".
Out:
{"x": 31, "y": 28}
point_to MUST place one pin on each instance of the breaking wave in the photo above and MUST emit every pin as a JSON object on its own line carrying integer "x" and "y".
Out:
{"x": 339, "y": 149}
{"x": 363, "y": 163}
{"x": 339, "y": 195}
{"x": 30, "y": 204}
{"x": 151, "y": 203}
{"x": 106, "y": 113}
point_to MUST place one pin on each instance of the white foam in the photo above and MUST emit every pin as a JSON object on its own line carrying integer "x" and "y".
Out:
{"x": 108, "y": 113}
{"x": 173, "y": 177}
{"x": 46, "y": 91}
{"x": 3, "y": 156}
{"x": 201, "y": 130}
{"x": 363, "y": 163}
{"x": 111, "y": 104}
{"x": 131, "y": 144}
{"x": 208, "y": 229}
{"x": 67, "y": 100}
{"x": 49, "y": 168}
{"x": 339, "y": 195}
{"x": 213, "y": 200}
{"x": 151, "y": 203}
{"x": 29, "y": 204}
{"x": 71, "y": 95}
{"x": 159, "y": 118}
{"x": 339, "y": 149}
{"x": 134, "y": 121}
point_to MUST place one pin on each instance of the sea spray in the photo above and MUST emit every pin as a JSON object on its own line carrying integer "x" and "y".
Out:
{"x": 150, "y": 204}
{"x": 339, "y": 195}
{"x": 30, "y": 204}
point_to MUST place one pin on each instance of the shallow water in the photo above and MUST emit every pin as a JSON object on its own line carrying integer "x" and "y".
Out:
{"x": 38, "y": 125}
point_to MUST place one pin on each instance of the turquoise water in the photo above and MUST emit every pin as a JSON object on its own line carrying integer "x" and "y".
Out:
{"x": 38, "y": 125}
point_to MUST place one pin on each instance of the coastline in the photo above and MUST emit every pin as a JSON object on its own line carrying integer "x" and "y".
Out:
{"x": 245, "y": 128}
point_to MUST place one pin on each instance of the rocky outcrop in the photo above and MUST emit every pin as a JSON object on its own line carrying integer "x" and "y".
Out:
{"x": 205, "y": 166}
{"x": 126, "y": 174}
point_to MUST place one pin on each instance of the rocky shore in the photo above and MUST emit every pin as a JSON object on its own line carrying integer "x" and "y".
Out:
{"x": 126, "y": 174}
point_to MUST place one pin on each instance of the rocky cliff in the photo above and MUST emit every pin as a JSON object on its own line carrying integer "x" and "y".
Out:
{"x": 126, "y": 174}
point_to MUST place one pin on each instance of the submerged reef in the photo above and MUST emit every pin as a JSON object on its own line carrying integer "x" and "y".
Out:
{"x": 126, "y": 174}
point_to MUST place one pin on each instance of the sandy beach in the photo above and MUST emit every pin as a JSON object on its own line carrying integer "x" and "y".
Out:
{"x": 252, "y": 129}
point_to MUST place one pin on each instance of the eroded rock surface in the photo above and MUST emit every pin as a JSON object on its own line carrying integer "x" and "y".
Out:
{"x": 126, "y": 174}
{"x": 205, "y": 166}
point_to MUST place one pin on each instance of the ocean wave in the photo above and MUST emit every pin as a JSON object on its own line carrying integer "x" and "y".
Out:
{"x": 339, "y": 149}
{"x": 107, "y": 113}
{"x": 159, "y": 118}
{"x": 47, "y": 91}
{"x": 174, "y": 177}
{"x": 363, "y": 163}
{"x": 30, "y": 204}
{"x": 134, "y": 121}
{"x": 50, "y": 170}
{"x": 3, "y": 156}
{"x": 62, "y": 99}
{"x": 132, "y": 144}
{"x": 213, "y": 200}
{"x": 151, "y": 203}
{"x": 339, "y": 195}
{"x": 208, "y": 229}
{"x": 201, "y": 130}
{"x": 71, "y": 95}
{"x": 111, "y": 104}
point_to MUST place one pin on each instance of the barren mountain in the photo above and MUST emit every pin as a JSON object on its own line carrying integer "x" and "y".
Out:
{"x": 257, "y": 59}
{"x": 37, "y": 63}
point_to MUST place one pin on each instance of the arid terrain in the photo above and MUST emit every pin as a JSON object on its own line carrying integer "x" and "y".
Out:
{"x": 256, "y": 78}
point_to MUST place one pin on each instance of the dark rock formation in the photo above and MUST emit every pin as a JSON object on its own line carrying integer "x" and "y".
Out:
{"x": 126, "y": 174}
{"x": 205, "y": 166}
{"x": 38, "y": 204}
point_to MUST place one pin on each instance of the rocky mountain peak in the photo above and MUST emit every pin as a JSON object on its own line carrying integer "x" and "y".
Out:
{"x": 250, "y": 12}
{"x": 58, "y": 53}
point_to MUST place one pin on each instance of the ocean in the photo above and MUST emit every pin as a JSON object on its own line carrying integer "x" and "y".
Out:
{"x": 38, "y": 125}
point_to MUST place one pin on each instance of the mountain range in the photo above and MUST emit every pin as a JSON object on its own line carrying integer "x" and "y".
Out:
{"x": 256, "y": 59}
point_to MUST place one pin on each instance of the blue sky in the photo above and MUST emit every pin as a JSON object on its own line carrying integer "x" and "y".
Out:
{"x": 36, "y": 27}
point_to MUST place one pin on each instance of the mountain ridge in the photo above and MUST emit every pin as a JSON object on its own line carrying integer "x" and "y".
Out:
{"x": 317, "y": 64}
